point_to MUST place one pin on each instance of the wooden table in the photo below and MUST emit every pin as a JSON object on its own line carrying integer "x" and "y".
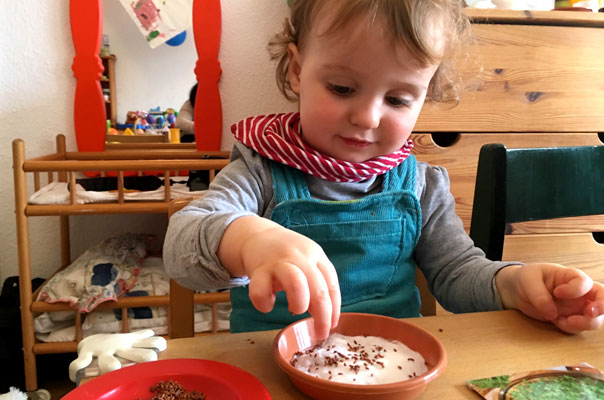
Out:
{"x": 478, "y": 345}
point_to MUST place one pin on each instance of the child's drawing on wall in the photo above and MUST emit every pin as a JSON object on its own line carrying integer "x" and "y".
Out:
{"x": 159, "y": 21}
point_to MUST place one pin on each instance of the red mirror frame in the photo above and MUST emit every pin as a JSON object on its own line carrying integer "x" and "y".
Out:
{"x": 86, "y": 19}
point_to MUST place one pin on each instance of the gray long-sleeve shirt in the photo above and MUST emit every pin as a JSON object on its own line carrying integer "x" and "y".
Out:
{"x": 457, "y": 272}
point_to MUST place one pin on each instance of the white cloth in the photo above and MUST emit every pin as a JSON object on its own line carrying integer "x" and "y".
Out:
{"x": 57, "y": 193}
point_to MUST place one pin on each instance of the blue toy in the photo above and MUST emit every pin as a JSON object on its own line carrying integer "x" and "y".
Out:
{"x": 171, "y": 119}
{"x": 178, "y": 39}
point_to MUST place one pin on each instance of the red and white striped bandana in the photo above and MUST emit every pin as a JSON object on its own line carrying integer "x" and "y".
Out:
{"x": 277, "y": 137}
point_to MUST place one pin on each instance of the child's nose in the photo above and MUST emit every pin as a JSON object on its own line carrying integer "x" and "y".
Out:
{"x": 366, "y": 115}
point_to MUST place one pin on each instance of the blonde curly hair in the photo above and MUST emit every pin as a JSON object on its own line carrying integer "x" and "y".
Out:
{"x": 410, "y": 23}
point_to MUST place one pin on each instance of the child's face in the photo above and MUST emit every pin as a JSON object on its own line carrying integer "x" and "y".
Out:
{"x": 359, "y": 95}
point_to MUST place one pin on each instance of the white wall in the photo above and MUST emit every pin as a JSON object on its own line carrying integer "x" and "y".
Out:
{"x": 36, "y": 103}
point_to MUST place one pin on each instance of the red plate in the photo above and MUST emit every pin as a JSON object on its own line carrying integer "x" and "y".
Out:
{"x": 215, "y": 379}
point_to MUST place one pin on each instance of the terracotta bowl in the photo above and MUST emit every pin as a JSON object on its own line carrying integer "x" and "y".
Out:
{"x": 299, "y": 336}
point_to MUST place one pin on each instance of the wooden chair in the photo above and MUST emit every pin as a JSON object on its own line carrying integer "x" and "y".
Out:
{"x": 181, "y": 320}
{"x": 555, "y": 187}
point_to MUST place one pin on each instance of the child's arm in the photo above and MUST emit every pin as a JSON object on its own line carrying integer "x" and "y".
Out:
{"x": 463, "y": 280}
{"x": 232, "y": 213}
{"x": 275, "y": 258}
{"x": 551, "y": 292}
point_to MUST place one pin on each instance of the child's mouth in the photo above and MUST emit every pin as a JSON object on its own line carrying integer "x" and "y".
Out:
{"x": 355, "y": 142}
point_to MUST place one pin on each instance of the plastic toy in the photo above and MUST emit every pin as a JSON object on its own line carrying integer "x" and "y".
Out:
{"x": 135, "y": 346}
{"x": 170, "y": 117}
{"x": 177, "y": 40}
{"x": 153, "y": 122}
{"x": 150, "y": 118}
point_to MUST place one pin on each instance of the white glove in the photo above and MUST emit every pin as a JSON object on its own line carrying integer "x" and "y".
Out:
{"x": 134, "y": 346}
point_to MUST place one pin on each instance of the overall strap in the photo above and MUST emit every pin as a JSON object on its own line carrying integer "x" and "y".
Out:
{"x": 402, "y": 177}
{"x": 288, "y": 183}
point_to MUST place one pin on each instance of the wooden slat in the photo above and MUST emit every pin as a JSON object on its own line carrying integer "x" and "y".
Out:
{"x": 429, "y": 304}
{"x": 133, "y": 302}
{"x": 78, "y": 326}
{"x": 149, "y": 146}
{"x": 159, "y": 207}
{"x": 167, "y": 186}
{"x": 181, "y": 315}
{"x": 36, "y": 181}
{"x": 578, "y": 250}
{"x": 125, "y": 327}
{"x": 123, "y": 165}
{"x": 560, "y": 18}
{"x": 72, "y": 188}
{"x": 593, "y": 223}
{"x": 24, "y": 249}
{"x": 120, "y": 187}
{"x": 212, "y": 298}
{"x": 461, "y": 158}
{"x": 159, "y": 155}
{"x": 180, "y": 312}
{"x": 129, "y": 302}
{"x": 534, "y": 78}
{"x": 65, "y": 242}
{"x": 48, "y": 157}
{"x": 55, "y": 348}
{"x": 137, "y": 139}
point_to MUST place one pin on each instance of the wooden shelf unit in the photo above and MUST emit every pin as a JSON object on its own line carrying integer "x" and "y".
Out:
{"x": 108, "y": 85}
{"x": 62, "y": 166}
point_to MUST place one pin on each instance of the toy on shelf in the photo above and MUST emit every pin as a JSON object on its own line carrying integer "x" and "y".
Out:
{"x": 153, "y": 122}
{"x": 111, "y": 130}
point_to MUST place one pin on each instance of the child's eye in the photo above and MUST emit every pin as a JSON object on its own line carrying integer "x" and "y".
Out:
{"x": 397, "y": 101}
{"x": 340, "y": 90}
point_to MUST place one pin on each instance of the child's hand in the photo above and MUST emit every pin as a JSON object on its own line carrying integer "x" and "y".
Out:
{"x": 567, "y": 297}
{"x": 275, "y": 259}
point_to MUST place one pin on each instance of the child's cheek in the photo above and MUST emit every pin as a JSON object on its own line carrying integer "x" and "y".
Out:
{"x": 322, "y": 112}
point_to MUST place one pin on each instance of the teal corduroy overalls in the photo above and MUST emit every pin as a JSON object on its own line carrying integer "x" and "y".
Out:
{"x": 370, "y": 241}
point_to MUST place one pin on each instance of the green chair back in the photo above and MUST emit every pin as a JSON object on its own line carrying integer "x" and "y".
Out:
{"x": 517, "y": 185}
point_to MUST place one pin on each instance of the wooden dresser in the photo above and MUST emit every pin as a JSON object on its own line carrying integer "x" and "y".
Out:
{"x": 533, "y": 79}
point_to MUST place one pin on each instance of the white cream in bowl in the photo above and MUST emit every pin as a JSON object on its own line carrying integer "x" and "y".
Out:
{"x": 363, "y": 360}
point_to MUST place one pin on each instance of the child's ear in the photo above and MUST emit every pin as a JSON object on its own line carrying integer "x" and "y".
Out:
{"x": 293, "y": 71}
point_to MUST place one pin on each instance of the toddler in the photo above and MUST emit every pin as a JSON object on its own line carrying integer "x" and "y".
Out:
{"x": 325, "y": 210}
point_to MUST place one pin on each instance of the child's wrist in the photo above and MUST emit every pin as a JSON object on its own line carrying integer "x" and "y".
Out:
{"x": 506, "y": 282}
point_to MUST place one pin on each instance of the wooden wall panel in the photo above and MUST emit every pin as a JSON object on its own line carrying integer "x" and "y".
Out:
{"x": 578, "y": 250}
{"x": 527, "y": 78}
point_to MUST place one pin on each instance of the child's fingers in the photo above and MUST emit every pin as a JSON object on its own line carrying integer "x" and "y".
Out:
{"x": 261, "y": 290}
{"x": 572, "y": 283}
{"x": 298, "y": 286}
{"x": 595, "y": 307}
{"x": 333, "y": 286}
{"x": 578, "y": 323}
{"x": 536, "y": 292}
{"x": 308, "y": 287}
{"x": 321, "y": 305}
